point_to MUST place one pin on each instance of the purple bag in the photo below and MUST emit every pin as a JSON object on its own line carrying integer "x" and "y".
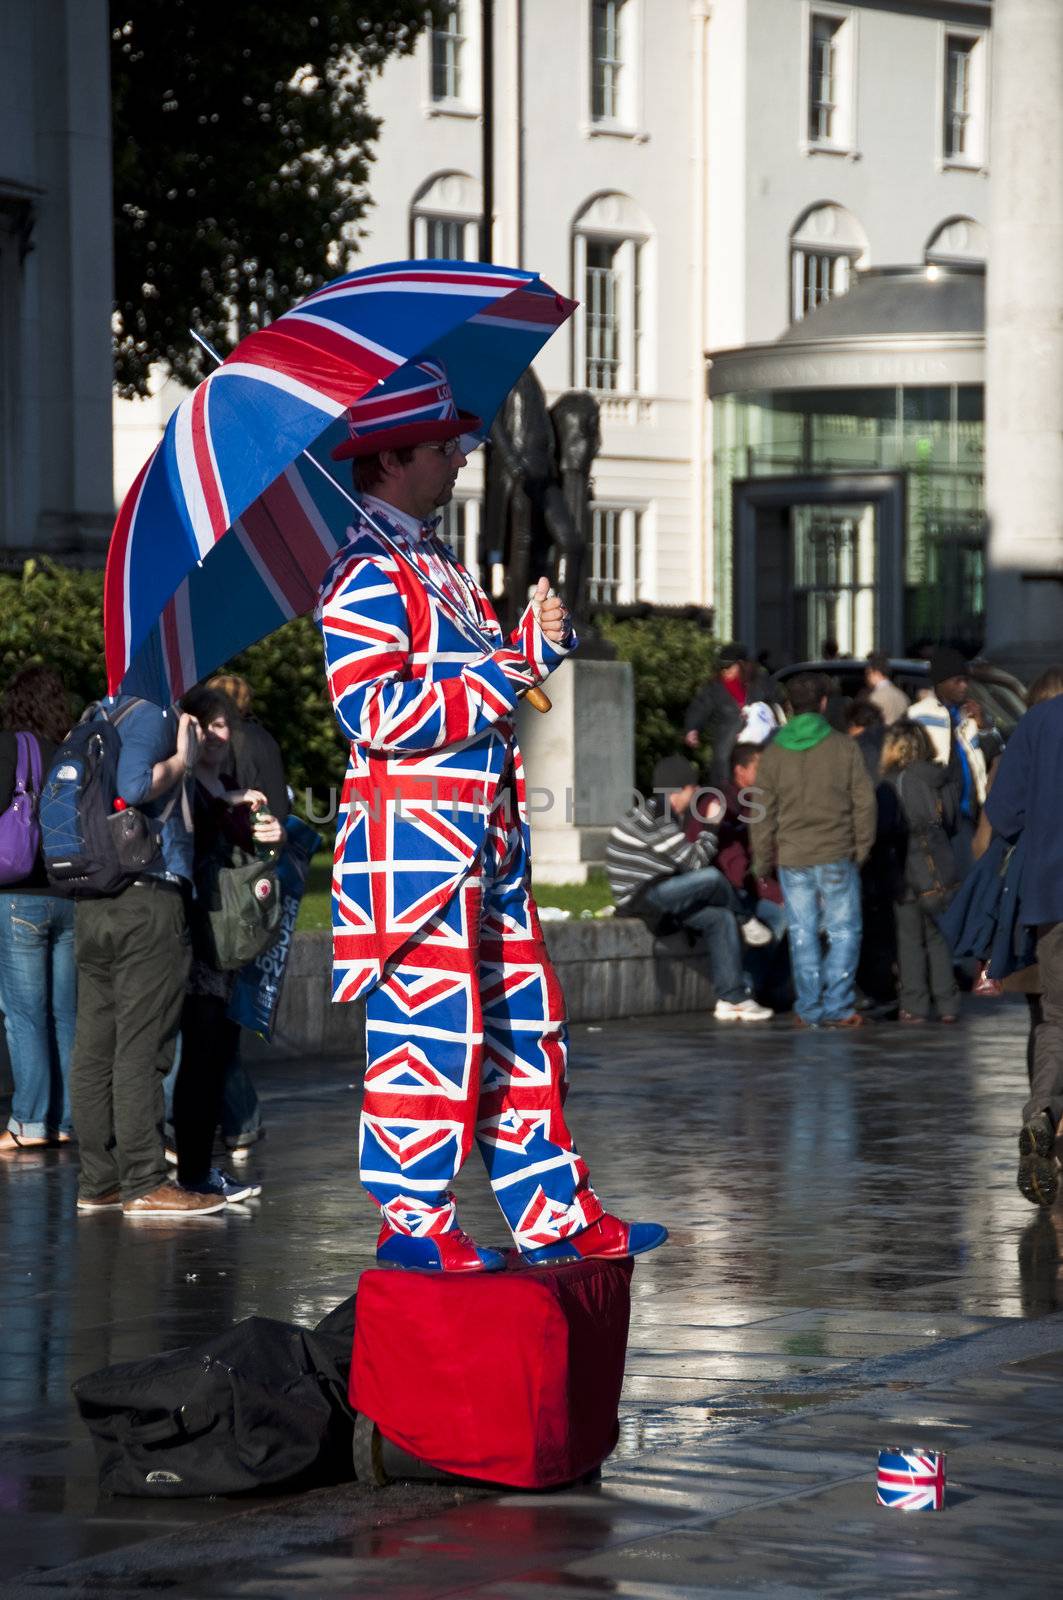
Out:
{"x": 20, "y": 834}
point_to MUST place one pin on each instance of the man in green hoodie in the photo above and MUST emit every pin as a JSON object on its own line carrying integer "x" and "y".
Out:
{"x": 816, "y": 832}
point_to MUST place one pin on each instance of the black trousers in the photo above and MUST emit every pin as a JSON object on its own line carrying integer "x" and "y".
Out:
{"x": 924, "y": 962}
{"x": 1046, "y": 1077}
{"x": 208, "y": 1042}
{"x": 133, "y": 957}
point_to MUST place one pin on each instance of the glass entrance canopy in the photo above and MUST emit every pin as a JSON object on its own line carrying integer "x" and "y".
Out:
{"x": 886, "y": 381}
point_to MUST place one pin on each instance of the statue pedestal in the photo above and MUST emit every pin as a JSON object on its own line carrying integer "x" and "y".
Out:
{"x": 579, "y": 760}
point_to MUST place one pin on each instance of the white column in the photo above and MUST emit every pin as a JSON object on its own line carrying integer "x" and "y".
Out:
{"x": 702, "y": 560}
{"x": 1024, "y": 336}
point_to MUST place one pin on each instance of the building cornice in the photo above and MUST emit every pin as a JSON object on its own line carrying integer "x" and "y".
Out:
{"x": 885, "y": 362}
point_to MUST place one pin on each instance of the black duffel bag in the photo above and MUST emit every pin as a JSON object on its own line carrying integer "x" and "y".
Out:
{"x": 259, "y": 1406}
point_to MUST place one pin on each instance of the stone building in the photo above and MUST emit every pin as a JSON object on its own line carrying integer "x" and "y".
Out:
{"x": 56, "y": 494}
{"x": 715, "y": 178}
{"x": 796, "y": 190}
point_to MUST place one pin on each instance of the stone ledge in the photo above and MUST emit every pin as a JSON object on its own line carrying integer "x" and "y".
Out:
{"x": 608, "y": 967}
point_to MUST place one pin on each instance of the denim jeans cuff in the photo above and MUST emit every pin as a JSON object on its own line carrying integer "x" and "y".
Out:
{"x": 28, "y": 1130}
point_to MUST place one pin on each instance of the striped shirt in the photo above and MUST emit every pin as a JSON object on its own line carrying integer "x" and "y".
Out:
{"x": 644, "y": 847}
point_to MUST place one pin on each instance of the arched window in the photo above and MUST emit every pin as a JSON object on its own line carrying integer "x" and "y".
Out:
{"x": 445, "y": 219}
{"x": 825, "y": 244}
{"x": 960, "y": 240}
{"x": 612, "y": 271}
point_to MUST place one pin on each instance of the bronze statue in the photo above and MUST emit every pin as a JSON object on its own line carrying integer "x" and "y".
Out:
{"x": 536, "y": 515}
{"x": 578, "y": 438}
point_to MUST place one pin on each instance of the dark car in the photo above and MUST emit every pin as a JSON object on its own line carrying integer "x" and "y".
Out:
{"x": 1003, "y": 696}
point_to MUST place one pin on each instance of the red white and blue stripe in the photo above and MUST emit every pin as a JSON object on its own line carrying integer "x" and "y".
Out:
{"x": 911, "y": 1480}
{"x": 232, "y": 522}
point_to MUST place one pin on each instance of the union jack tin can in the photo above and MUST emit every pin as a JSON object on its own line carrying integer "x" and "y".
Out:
{"x": 911, "y": 1480}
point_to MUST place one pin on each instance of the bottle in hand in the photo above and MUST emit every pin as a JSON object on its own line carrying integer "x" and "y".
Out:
{"x": 267, "y": 853}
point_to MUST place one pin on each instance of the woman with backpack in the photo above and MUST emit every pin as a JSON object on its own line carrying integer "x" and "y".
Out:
{"x": 928, "y": 877}
{"x": 227, "y": 819}
{"x": 38, "y": 976}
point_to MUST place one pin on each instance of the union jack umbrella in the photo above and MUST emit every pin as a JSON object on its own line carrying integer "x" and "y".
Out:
{"x": 911, "y": 1480}
{"x": 233, "y": 520}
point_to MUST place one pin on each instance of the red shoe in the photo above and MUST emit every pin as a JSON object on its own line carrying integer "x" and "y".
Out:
{"x": 609, "y": 1238}
{"x": 436, "y": 1252}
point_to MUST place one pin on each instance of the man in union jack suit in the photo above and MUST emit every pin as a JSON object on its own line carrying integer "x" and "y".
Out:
{"x": 433, "y": 922}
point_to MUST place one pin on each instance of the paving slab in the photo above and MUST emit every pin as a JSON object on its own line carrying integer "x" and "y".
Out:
{"x": 851, "y": 1265}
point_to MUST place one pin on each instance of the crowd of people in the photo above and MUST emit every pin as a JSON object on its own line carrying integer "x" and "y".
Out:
{"x": 860, "y": 858}
{"x": 839, "y": 858}
{"x": 114, "y": 1008}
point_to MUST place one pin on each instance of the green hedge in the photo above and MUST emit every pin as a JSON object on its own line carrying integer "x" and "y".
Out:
{"x": 671, "y": 658}
{"x": 52, "y": 615}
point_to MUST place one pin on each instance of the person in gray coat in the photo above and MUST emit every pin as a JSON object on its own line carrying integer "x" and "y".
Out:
{"x": 929, "y": 878}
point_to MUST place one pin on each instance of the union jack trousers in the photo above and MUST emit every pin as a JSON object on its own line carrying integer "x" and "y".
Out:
{"x": 433, "y": 920}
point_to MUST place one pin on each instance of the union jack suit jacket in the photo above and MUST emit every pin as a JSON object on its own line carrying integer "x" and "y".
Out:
{"x": 430, "y": 718}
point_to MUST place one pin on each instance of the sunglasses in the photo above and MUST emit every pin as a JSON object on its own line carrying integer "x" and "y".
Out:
{"x": 448, "y": 448}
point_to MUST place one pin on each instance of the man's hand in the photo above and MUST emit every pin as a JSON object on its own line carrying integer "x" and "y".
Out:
{"x": 551, "y": 612}
{"x": 189, "y": 739}
{"x": 247, "y": 797}
{"x": 692, "y": 739}
{"x": 164, "y": 774}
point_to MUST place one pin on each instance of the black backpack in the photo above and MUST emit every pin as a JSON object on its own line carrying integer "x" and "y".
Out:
{"x": 90, "y": 847}
{"x": 261, "y": 1405}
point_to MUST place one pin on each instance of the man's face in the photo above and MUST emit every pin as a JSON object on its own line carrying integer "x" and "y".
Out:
{"x": 425, "y": 483}
{"x": 745, "y": 773}
{"x": 871, "y": 677}
{"x": 953, "y": 691}
{"x": 216, "y": 735}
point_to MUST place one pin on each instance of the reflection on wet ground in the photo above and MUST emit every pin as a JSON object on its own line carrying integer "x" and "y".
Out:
{"x": 843, "y": 1208}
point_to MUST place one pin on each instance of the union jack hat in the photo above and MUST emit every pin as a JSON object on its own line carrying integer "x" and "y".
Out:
{"x": 414, "y": 405}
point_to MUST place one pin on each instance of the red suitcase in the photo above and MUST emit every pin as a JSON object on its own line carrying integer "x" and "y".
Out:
{"x": 511, "y": 1377}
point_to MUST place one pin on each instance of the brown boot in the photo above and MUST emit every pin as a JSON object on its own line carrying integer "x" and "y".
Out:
{"x": 855, "y": 1019}
{"x": 170, "y": 1200}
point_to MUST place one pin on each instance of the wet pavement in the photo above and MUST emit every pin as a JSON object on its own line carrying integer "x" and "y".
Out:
{"x": 851, "y": 1266}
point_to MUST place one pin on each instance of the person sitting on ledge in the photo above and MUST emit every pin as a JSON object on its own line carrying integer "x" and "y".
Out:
{"x": 659, "y": 860}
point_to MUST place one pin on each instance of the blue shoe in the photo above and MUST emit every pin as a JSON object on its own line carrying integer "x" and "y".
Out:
{"x": 225, "y": 1185}
{"x": 608, "y": 1239}
{"x": 436, "y": 1252}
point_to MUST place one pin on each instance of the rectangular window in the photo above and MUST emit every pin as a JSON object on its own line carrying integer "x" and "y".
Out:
{"x": 602, "y": 317}
{"x": 615, "y": 576}
{"x": 959, "y": 104}
{"x": 452, "y": 526}
{"x": 824, "y": 75}
{"x": 604, "y": 581}
{"x": 447, "y": 44}
{"x": 444, "y": 238}
{"x": 818, "y": 276}
{"x": 607, "y": 65}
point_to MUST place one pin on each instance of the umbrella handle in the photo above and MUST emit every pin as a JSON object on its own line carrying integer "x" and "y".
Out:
{"x": 536, "y": 698}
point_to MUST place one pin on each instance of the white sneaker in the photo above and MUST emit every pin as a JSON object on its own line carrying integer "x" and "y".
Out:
{"x": 741, "y": 1011}
{"x": 755, "y": 932}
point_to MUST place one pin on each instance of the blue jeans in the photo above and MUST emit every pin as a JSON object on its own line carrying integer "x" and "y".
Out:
{"x": 767, "y": 967}
{"x": 38, "y": 991}
{"x": 819, "y": 900}
{"x": 704, "y": 902}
